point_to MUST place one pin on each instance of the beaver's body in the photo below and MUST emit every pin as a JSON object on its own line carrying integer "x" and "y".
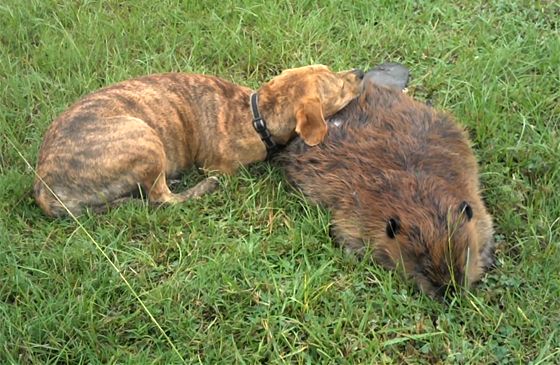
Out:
{"x": 400, "y": 177}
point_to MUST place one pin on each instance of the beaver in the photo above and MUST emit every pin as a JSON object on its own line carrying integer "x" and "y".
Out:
{"x": 401, "y": 181}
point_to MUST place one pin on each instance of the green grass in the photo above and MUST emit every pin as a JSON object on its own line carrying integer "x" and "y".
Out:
{"x": 249, "y": 275}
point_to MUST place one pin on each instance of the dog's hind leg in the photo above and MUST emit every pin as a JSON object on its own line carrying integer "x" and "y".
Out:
{"x": 159, "y": 192}
{"x": 206, "y": 186}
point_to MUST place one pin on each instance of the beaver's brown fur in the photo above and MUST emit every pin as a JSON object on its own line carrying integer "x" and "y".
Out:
{"x": 401, "y": 178}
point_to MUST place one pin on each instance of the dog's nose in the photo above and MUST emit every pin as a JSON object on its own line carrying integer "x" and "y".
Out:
{"x": 359, "y": 73}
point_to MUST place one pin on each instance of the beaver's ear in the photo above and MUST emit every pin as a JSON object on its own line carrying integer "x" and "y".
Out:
{"x": 465, "y": 208}
{"x": 393, "y": 227}
{"x": 310, "y": 123}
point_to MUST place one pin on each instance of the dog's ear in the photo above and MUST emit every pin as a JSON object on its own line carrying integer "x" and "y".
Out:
{"x": 310, "y": 123}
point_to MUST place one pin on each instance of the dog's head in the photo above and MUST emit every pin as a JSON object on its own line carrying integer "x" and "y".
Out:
{"x": 310, "y": 94}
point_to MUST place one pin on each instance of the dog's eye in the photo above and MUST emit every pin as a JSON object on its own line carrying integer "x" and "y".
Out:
{"x": 466, "y": 209}
{"x": 393, "y": 227}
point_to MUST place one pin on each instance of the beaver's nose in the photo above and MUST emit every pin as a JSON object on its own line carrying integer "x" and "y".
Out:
{"x": 446, "y": 292}
{"x": 359, "y": 73}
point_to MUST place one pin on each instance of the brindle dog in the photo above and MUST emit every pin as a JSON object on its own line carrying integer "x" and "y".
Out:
{"x": 138, "y": 133}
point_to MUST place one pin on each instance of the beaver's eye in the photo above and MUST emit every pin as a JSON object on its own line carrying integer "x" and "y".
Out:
{"x": 393, "y": 227}
{"x": 466, "y": 209}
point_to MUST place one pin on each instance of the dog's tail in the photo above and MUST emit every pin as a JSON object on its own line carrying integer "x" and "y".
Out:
{"x": 46, "y": 200}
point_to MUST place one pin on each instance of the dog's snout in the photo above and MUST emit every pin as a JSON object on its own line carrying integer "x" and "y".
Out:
{"x": 359, "y": 73}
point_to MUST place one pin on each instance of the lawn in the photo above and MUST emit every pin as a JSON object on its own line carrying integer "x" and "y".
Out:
{"x": 249, "y": 274}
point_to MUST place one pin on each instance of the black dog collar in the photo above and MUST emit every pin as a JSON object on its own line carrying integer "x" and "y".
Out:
{"x": 260, "y": 126}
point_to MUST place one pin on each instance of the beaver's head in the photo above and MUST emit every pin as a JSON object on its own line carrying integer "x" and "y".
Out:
{"x": 440, "y": 237}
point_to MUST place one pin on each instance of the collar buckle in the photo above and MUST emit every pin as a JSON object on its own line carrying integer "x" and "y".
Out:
{"x": 260, "y": 126}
